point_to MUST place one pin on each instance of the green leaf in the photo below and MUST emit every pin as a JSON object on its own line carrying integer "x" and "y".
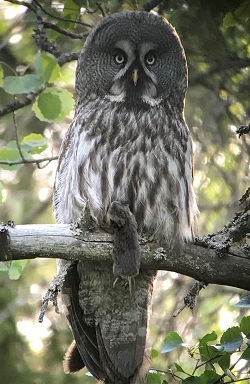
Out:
{"x": 36, "y": 143}
{"x": 207, "y": 351}
{"x": 245, "y": 325}
{"x": 53, "y": 104}
{"x": 178, "y": 368}
{"x": 70, "y": 12}
{"x": 231, "y": 339}
{"x": 192, "y": 380}
{"x": 209, "y": 377}
{"x": 47, "y": 106}
{"x": 243, "y": 11}
{"x": 16, "y": 85}
{"x": 4, "y": 266}
{"x": 171, "y": 341}
{"x": 210, "y": 352}
{"x": 244, "y": 303}
{"x": 229, "y": 20}
{"x": 1, "y": 75}
{"x": 224, "y": 361}
{"x": 9, "y": 155}
{"x": 246, "y": 354}
{"x": 154, "y": 353}
{"x": 16, "y": 269}
{"x": 12, "y": 145}
{"x": 208, "y": 337}
{"x": 153, "y": 378}
{"x": 47, "y": 67}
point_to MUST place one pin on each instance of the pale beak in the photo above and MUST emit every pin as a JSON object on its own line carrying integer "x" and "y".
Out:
{"x": 135, "y": 76}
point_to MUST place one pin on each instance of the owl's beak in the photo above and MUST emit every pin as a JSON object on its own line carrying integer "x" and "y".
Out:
{"x": 135, "y": 76}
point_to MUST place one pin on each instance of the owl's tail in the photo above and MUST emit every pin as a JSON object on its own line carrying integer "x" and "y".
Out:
{"x": 114, "y": 348}
{"x": 73, "y": 363}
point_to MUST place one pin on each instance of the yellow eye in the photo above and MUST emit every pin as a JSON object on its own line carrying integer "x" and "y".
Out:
{"x": 150, "y": 58}
{"x": 119, "y": 58}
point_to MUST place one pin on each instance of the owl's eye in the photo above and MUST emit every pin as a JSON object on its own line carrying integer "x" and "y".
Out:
{"x": 120, "y": 58}
{"x": 150, "y": 58}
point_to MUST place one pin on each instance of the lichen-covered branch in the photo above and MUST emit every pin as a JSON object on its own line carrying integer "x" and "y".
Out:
{"x": 204, "y": 262}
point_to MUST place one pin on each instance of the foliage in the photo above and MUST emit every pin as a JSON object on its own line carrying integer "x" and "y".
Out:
{"x": 212, "y": 363}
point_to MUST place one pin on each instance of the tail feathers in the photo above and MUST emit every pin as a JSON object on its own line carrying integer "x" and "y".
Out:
{"x": 72, "y": 360}
{"x": 106, "y": 348}
{"x": 113, "y": 376}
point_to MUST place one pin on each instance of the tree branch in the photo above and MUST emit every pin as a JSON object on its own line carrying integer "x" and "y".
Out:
{"x": 29, "y": 161}
{"x": 150, "y": 4}
{"x": 232, "y": 267}
{"x": 225, "y": 63}
{"x": 26, "y": 100}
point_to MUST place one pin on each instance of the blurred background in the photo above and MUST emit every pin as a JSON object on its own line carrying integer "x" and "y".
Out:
{"x": 216, "y": 38}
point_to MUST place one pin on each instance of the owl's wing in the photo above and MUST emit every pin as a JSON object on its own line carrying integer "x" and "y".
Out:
{"x": 85, "y": 336}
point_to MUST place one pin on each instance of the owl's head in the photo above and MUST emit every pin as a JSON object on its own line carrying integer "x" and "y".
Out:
{"x": 133, "y": 58}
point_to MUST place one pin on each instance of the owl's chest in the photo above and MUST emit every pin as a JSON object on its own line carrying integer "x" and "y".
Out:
{"x": 124, "y": 169}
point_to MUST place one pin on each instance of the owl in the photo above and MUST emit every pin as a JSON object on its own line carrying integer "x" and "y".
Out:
{"x": 127, "y": 146}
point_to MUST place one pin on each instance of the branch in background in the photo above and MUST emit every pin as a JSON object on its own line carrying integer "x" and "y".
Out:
{"x": 30, "y": 161}
{"x": 190, "y": 299}
{"x": 67, "y": 57}
{"x": 243, "y": 130}
{"x": 41, "y": 40}
{"x": 30, "y": 97}
{"x": 52, "y": 292}
{"x": 17, "y": 138}
{"x": 151, "y": 4}
{"x": 224, "y": 64}
{"x": 70, "y": 34}
{"x": 245, "y": 200}
{"x": 225, "y": 266}
{"x": 23, "y": 159}
{"x": 30, "y": 6}
{"x": 26, "y": 100}
{"x": 58, "y": 17}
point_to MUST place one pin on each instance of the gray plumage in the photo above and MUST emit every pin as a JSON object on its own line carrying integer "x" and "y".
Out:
{"x": 126, "y": 249}
{"x": 128, "y": 143}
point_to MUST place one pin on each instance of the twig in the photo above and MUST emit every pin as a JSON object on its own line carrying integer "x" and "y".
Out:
{"x": 61, "y": 18}
{"x": 17, "y": 138}
{"x": 67, "y": 57}
{"x": 222, "y": 65}
{"x": 54, "y": 289}
{"x": 101, "y": 9}
{"x": 190, "y": 299}
{"x": 41, "y": 40}
{"x": 24, "y": 3}
{"x": 243, "y": 130}
{"x": 245, "y": 197}
{"x": 29, "y": 161}
{"x": 229, "y": 373}
{"x": 30, "y": 97}
{"x": 70, "y": 34}
{"x": 27, "y": 100}
{"x": 151, "y": 4}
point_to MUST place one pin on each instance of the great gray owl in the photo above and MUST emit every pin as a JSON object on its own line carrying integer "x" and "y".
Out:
{"x": 128, "y": 143}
